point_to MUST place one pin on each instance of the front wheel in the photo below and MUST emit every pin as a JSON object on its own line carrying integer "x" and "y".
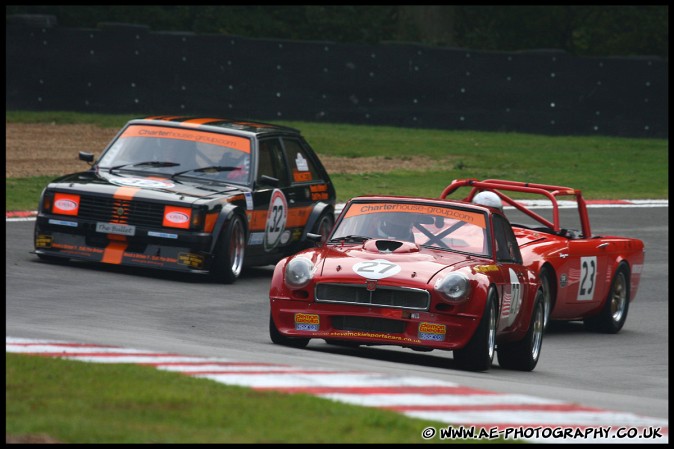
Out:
{"x": 230, "y": 251}
{"x": 614, "y": 313}
{"x": 523, "y": 355}
{"x": 280, "y": 339}
{"x": 478, "y": 354}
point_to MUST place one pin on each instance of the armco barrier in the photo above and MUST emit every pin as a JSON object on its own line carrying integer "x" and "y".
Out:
{"x": 123, "y": 68}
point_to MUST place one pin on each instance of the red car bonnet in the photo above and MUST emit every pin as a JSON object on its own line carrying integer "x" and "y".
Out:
{"x": 416, "y": 264}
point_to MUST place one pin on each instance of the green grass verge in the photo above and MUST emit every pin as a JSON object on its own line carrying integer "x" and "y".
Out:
{"x": 601, "y": 167}
{"x": 76, "y": 402}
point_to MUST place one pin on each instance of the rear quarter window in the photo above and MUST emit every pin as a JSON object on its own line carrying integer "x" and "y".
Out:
{"x": 302, "y": 166}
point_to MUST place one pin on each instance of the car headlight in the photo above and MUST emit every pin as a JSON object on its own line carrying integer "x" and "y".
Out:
{"x": 453, "y": 287}
{"x": 299, "y": 272}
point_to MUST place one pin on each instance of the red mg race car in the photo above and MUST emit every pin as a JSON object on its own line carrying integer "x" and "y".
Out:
{"x": 418, "y": 273}
{"x": 584, "y": 276}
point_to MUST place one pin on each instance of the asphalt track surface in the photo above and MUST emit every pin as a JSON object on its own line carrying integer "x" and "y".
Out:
{"x": 190, "y": 315}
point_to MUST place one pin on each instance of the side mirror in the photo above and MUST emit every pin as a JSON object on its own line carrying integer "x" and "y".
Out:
{"x": 86, "y": 157}
{"x": 316, "y": 238}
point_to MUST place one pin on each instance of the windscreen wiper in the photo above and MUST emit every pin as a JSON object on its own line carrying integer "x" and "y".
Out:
{"x": 149, "y": 163}
{"x": 209, "y": 169}
{"x": 350, "y": 238}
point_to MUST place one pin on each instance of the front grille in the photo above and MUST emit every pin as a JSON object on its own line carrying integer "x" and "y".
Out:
{"x": 367, "y": 324}
{"x": 397, "y": 297}
{"x": 112, "y": 210}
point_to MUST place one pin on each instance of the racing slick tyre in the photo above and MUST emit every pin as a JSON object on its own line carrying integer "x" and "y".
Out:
{"x": 230, "y": 251}
{"x": 478, "y": 354}
{"x": 523, "y": 355}
{"x": 546, "y": 282}
{"x": 614, "y": 313}
{"x": 279, "y": 339}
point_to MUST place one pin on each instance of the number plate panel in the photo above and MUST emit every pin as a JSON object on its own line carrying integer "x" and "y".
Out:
{"x": 116, "y": 228}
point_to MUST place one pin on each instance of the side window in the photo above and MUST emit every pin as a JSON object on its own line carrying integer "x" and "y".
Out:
{"x": 271, "y": 162}
{"x": 302, "y": 166}
{"x": 507, "y": 249}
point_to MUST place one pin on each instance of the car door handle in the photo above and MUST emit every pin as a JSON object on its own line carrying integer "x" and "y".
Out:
{"x": 602, "y": 245}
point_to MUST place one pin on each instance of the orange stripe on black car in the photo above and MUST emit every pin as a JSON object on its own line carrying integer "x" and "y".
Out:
{"x": 114, "y": 252}
{"x": 200, "y": 121}
{"x": 126, "y": 193}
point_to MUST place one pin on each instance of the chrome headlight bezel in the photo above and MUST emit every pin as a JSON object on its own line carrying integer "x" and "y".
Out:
{"x": 455, "y": 287}
{"x": 299, "y": 272}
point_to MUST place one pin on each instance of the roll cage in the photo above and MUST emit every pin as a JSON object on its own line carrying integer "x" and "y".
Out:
{"x": 551, "y": 192}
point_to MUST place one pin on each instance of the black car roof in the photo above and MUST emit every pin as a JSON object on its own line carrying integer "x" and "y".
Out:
{"x": 254, "y": 127}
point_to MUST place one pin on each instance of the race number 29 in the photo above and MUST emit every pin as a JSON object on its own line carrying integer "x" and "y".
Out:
{"x": 588, "y": 278}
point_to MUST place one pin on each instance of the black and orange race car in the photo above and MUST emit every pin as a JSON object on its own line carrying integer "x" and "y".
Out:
{"x": 203, "y": 195}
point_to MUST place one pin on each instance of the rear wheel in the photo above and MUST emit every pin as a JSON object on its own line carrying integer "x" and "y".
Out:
{"x": 281, "y": 339}
{"x": 523, "y": 355}
{"x": 478, "y": 354}
{"x": 614, "y": 313}
{"x": 230, "y": 251}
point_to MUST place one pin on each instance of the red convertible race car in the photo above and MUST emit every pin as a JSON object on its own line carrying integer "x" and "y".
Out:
{"x": 418, "y": 273}
{"x": 584, "y": 276}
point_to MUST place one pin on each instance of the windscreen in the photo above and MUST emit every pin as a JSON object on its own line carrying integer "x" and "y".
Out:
{"x": 427, "y": 225}
{"x": 184, "y": 152}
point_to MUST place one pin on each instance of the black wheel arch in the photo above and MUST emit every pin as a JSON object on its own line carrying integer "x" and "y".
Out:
{"x": 317, "y": 211}
{"x": 228, "y": 210}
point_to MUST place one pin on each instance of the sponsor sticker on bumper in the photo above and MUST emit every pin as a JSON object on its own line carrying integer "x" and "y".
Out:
{"x": 191, "y": 260}
{"x": 307, "y": 322}
{"x": 432, "y": 331}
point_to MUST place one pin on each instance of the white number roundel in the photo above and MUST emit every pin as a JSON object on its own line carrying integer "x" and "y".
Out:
{"x": 376, "y": 269}
{"x": 142, "y": 182}
{"x": 277, "y": 215}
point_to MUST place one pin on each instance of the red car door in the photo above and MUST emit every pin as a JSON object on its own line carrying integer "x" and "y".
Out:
{"x": 514, "y": 278}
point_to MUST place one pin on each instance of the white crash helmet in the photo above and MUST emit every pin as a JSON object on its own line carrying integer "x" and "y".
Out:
{"x": 488, "y": 199}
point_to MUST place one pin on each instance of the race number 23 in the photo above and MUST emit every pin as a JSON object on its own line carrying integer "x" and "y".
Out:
{"x": 588, "y": 278}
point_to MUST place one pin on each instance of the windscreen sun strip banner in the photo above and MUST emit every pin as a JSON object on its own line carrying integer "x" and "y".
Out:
{"x": 163, "y": 132}
{"x": 475, "y": 218}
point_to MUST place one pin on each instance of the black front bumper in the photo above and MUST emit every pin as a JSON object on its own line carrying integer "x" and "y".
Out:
{"x": 163, "y": 248}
